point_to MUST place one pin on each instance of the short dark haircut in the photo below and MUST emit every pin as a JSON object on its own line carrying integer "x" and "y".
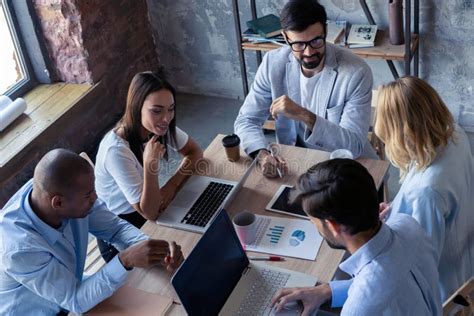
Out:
{"x": 341, "y": 190}
{"x": 58, "y": 171}
{"x": 297, "y": 15}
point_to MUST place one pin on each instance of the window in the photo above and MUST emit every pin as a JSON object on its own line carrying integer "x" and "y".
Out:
{"x": 20, "y": 61}
{"x": 12, "y": 62}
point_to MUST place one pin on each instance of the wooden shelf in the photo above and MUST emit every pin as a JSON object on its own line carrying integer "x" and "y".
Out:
{"x": 382, "y": 49}
{"x": 407, "y": 53}
{"x": 259, "y": 46}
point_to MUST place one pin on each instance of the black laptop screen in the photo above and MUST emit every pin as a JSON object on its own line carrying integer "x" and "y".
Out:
{"x": 211, "y": 271}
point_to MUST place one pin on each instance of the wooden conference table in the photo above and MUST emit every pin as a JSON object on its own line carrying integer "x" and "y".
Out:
{"x": 254, "y": 195}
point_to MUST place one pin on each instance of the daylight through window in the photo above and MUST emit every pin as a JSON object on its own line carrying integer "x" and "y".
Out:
{"x": 11, "y": 64}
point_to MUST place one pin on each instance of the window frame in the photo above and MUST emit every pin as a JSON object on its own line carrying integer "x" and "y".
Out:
{"x": 28, "y": 36}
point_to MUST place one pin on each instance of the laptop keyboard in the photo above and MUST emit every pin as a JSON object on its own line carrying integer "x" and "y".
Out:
{"x": 207, "y": 204}
{"x": 257, "y": 301}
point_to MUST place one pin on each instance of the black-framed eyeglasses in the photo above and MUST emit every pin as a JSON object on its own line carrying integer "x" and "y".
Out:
{"x": 315, "y": 43}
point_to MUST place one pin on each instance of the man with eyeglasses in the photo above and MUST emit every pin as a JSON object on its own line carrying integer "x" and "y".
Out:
{"x": 319, "y": 94}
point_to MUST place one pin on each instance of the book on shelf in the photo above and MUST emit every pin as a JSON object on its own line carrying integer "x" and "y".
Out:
{"x": 250, "y": 36}
{"x": 336, "y": 32}
{"x": 266, "y": 26}
{"x": 362, "y": 35}
{"x": 263, "y": 40}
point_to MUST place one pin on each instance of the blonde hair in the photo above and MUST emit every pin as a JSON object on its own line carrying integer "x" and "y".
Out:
{"x": 413, "y": 121}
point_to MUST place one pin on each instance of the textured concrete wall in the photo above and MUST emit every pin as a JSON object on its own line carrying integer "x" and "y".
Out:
{"x": 196, "y": 43}
{"x": 116, "y": 42}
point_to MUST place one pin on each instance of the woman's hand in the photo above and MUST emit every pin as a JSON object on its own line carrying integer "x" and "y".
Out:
{"x": 384, "y": 211}
{"x": 152, "y": 154}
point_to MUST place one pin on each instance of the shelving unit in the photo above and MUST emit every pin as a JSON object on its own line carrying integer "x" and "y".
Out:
{"x": 382, "y": 50}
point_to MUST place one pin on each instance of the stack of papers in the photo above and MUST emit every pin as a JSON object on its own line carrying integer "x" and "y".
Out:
{"x": 362, "y": 35}
{"x": 336, "y": 32}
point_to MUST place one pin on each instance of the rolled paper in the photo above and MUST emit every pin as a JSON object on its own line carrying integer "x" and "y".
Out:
{"x": 11, "y": 112}
{"x": 4, "y": 101}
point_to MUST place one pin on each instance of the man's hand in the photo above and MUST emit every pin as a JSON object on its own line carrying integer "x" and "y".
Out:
{"x": 384, "y": 211}
{"x": 287, "y": 107}
{"x": 268, "y": 164}
{"x": 146, "y": 253}
{"x": 175, "y": 258}
{"x": 311, "y": 297}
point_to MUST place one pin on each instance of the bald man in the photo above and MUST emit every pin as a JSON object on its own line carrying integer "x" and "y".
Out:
{"x": 43, "y": 242}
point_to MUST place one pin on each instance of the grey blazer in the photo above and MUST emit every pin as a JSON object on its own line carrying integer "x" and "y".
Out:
{"x": 342, "y": 107}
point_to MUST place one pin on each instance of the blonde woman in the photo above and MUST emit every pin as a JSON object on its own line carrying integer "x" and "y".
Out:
{"x": 436, "y": 169}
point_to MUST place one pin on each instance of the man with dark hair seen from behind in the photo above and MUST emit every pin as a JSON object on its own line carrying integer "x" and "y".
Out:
{"x": 393, "y": 266}
{"x": 318, "y": 93}
{"x": 43, "y": 242}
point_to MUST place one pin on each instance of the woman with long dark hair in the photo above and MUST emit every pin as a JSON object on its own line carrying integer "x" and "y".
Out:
{"x": 129, "y": 155}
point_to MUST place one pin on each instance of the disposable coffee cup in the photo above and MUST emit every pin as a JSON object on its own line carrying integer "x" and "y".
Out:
{"x": 341, "y": 153}
{"x": 231, "y": 144}
{"x": 245, "y": 224}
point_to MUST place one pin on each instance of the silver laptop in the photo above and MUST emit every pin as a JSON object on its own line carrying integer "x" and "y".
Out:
{"x": 199, "y": 200}
{"x": 217, "y": 277}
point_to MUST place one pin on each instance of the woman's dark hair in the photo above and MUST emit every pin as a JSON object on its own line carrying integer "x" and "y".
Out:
{"x": 341, "y": 190}
{"x": 297, "y": 15}
{"x": 142, "y": 85}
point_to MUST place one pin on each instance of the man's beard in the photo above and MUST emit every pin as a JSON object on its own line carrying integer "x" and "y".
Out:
{"x": 311, "y": 64}
{"x": 333, "y": 244}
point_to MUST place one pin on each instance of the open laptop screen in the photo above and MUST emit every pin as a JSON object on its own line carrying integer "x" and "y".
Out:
{"x": 209, "y": 274}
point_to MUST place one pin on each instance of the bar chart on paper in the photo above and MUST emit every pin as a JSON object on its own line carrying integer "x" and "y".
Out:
{"x": 275, "y": 233}
{"x": 286, "y": 237}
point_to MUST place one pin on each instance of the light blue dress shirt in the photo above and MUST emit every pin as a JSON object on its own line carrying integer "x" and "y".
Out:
{"x": 441, "y": 199}
{"x": 394, "y": 273}
{"x": 41, "y": 267}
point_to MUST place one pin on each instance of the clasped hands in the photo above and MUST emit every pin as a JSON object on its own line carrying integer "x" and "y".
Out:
{"x": 151, "y": 252}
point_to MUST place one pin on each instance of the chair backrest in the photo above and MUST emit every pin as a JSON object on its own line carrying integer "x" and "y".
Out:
{"x": 461, "y": 303}
{"x": 86, "y": 157}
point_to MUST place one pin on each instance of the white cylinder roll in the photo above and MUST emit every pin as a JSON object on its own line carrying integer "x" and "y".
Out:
{"x": 4, "y": 101}
{"x": 11, "y": 112}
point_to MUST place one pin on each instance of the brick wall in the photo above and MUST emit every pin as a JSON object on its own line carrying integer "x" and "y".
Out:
{"x": 62, "y": 30}
{"x": 89, "y": 41}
